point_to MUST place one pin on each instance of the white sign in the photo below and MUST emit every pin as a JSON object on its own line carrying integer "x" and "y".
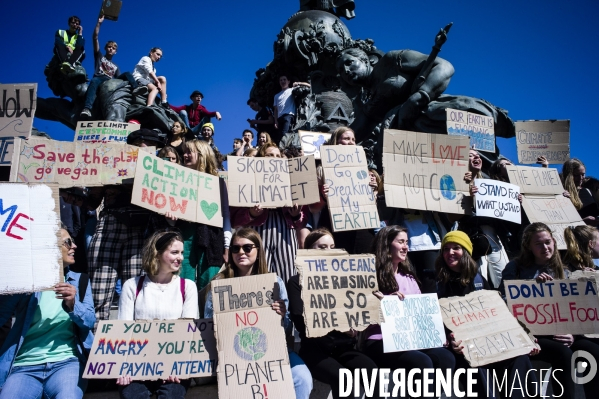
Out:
{"x": 311, "y": 142}
{"x": 498, "y": 200}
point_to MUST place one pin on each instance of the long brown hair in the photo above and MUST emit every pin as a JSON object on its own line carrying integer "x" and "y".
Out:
{"x": 527, "y": 258}
{"x": 384, "y": 260}
{"x": 579, "y": 254}
{"x": 260, "y": 266}
{"x": 568, "y": 169}
{"x": 154, "y": 247}
{"x": 468, "y": 268}
{"x": 315, "y": 236}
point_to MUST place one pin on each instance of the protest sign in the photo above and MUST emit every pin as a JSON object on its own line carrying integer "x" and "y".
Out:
{"x": 311, "y": 142}
{"x": 555, "y": 307}
{"x": 17, "y": 109}
{"x": 153, "y": 349}
{"x": 104, "y": 131}
{"x": 252, "y": 353}
{"x": 535, "y": 180}
{"x": 272, "y": 182}
{"x": 163, "y": 186}
{"x": 549, "y": 139}
{"x": 352, "y": 202}
{"x": 72, "y": 164}
{"x": 30, "y": 237}
{"x": 482, "y": 321}
{"x": 223, "y": 174}
{"x": 337, "y": 291}
{"x": 6, "y": 150}
{"x": 593, "y": 277}
{"x": 412, "y": 324}
{"x": 498, "y": 200}
{"x": 480, "y": 128}
{"x": 111, "y": 9}
{"x": 426, "y": 171}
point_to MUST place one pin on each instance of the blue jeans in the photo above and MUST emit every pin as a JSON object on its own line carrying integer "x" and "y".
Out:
{"x": 302, "y": 379}
{"x": 49, "y": 380}
{"x": 90, "y": 95}
{"x": 145, "y": 389}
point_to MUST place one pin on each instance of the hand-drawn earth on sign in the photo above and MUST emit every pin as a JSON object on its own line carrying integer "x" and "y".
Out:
{"x": 250, "y": 344}
{"x": 447, "y": 186}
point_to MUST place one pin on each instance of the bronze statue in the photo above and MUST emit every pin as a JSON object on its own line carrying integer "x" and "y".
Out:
{"x": 341, "y": 8}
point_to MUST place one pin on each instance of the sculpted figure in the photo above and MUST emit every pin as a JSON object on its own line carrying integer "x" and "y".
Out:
{"x": 341, "y": 8}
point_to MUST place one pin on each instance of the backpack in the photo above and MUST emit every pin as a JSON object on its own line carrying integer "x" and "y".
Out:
{"x": 83, "y": 282}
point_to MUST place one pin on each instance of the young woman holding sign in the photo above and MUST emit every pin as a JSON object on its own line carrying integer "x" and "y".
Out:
{"x": 539, "y": 259}
{"x": 325, "y": 356}
{"x": 159, "y": 295}
{"x": 458, "y": 275}
{"x": 277, "y": 227}
{"x": 396, "y": 276}
{"x": 247, "y": 258}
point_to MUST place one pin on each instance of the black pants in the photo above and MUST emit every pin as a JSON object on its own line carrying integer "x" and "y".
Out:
{"x": 438, "y": 358}
{"x": 325, "y": 367}
{"x": 145, "y": 389}
{"x": 64, "y": 56}
{"x": 424, "y": 263}
{"x": 284, "y": 122}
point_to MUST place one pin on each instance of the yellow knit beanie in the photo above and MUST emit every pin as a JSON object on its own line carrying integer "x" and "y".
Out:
{"x": 458, "y": 237}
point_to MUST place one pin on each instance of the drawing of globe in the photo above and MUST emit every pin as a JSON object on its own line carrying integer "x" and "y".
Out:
{"x": 250, "y": 343}
{"x": 447, "y": 187}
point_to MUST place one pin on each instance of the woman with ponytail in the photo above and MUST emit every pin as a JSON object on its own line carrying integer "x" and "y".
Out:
{"x": 573, "y": 177}
{"x": 583, "y": 247}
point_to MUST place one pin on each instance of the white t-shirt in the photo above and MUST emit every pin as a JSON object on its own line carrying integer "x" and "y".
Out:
{"x": 158, "y": 301}
{"x": 144, "y": 67}
{"x": 285, "y": 103}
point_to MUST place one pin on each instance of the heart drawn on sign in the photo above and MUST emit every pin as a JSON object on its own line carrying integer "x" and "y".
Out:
{"x": 209, "y": 209}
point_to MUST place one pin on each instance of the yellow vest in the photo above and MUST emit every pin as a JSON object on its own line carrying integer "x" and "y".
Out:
{"x": 69, "y": 43}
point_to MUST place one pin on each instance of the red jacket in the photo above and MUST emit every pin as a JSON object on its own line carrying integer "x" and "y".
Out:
{"x": 194, "y": 115}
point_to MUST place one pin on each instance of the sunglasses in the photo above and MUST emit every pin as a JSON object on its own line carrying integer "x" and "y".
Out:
{"x": 247, "y": 248}
{"x": 68, "y": 243}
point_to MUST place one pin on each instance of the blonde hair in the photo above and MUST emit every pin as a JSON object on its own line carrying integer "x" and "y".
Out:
{"x": 206, "y": 157}
{"x": 579, "y": 254}
{"x": 154, "y": 247}
{"x": 262, "y": 150}
{"x": 568, "y": 169}
{"x": 250, "y": 152}
{"x": 338, "y": 133}
{"x": 527, "y": 258}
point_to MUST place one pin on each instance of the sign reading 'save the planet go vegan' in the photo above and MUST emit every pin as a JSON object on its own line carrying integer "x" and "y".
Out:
{"x": 162, "y": 186}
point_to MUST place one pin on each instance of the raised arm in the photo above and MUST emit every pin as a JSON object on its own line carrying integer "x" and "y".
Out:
{"x": 97, "y": 34}
{"x": 438, "y": 78}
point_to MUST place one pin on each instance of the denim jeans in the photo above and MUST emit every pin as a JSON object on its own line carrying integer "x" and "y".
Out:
{"x": 59, "y": 379}
{"x": 302, "y": 379}
{"x": 90, "y": 95}
{"x": 145, "y": 389}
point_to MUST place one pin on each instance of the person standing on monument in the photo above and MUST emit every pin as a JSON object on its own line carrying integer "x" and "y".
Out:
{"x": 285, "y": 107}
{"x": 193, "y": 114}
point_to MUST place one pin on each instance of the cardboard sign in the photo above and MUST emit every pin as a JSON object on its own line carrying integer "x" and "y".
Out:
{"x": 252, "y": 353}
{"x": 550, "y": 139}
{"x": 426, "y": 171}
{"x": 556, "y": 211}
{"x": 6, "y": 149}
{"x": 29, "y": 238}
{"x": 352, "y": 202}
{"x": 152, "y": 350}
{"x": 72, "y": 164}
{"x": 489, "y": 333}
{"x": 163, "y": 186}
{"x": 272, "y": 182}
{"x": 337, "y": 291}
{"x": 480, "y": 128}
{"x": 17, "y": 109}
{"x": 104, "y": 131}
{"x": 412, "y": 324}
{"x": 555, "y": 307}
{"x": 223, "y": 174}
{"x": 111, "y": 9}
{"x": 311, "y": 142}
{"x": 498, "y": 200}
{"x": 535, "y": 180}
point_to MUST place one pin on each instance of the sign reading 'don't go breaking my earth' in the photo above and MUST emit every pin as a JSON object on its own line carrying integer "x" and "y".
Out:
{"x": 252, "y": 353}
{"x": 542, "y": 199}
{"x": 482, "y": 321}
{"x": 152, "y": 350}
{"x": 72, "y": 164}
{"x": 426, "y": 171}
{"x": 163, "y": 186}
{"x": 104, "y": 131}
{"x": 29, "y": 238}
{"x": 498, "y": 200}
{"x": 480, "y": 128}
{"x": 337, "y": 290}
{"x": 352, "y": 202}
{"x": 555, "y": 307}
{"x": 412, "y": 323}
{"x": 17, "y": 108}
{"x": 549, "y": 139}
{"x": 272, "y": 182}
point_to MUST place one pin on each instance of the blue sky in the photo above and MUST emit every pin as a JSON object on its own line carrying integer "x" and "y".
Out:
{"x": 535, "y": 58}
